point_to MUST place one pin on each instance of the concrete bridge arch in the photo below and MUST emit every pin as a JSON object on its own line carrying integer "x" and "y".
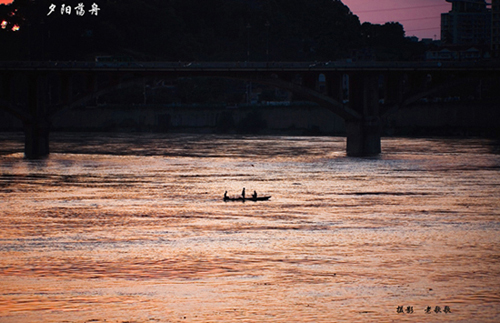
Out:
{"x": 41, "y": 102}
{"x": 50, "y": 87}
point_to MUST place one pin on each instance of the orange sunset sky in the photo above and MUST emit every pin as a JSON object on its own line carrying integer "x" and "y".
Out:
{"x": 420, "y": 18}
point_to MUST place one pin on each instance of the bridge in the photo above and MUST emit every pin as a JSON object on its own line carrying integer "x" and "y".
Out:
{"x": 35, "y": 91}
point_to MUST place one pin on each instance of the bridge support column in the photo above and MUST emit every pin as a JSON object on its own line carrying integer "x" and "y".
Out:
{"x": 363, "y": 135}
{"x": 36, "y": 140}
{"x": 36, "y": 128}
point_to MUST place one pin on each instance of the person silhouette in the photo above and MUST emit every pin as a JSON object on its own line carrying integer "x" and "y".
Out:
{"x": 243, "y": 193}
{"x": 254, "y": 195}
{"x": 225, "y": 195}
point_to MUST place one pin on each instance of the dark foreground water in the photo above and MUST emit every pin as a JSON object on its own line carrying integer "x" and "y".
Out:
{"x": 132, "y": 228}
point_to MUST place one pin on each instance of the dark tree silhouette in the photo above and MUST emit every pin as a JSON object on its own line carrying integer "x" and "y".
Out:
{"x": 190, "y": 30}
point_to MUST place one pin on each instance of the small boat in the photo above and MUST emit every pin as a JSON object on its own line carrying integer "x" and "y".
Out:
{"x": 243, "y": 199}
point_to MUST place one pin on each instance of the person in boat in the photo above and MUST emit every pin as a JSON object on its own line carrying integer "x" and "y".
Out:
{"x": 225, "y": 195}
{"x": 243, "y": 193}
{"x": 254, "y": 195}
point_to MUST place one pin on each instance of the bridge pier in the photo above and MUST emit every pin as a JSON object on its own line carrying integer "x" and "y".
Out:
{"x": 364, "y": 135}
{"x": 36, "y": 140}
{"x": 36, "y": 126}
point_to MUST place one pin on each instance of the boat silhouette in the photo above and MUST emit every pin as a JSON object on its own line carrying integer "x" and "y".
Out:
{"x": 255, "y": 199}
{"x": 242, "y": 198}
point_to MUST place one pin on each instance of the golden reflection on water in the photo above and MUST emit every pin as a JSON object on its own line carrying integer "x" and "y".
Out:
{"x": 146, "y": 237}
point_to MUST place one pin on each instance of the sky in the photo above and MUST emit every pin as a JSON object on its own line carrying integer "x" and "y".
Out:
{"x": 421, "y": 18}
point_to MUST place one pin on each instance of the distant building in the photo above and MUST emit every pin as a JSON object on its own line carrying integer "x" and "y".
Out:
{"x": 456, "y": 53}
{"x": 495, "y": 28}
{"x": 427, "y": 41}
{"x": 431, "y": 44}
{"x": 468, "y": 23}
{"x": 413, "y": 39}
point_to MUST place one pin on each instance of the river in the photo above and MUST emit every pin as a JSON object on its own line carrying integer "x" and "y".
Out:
{"x": 133, "y": 228}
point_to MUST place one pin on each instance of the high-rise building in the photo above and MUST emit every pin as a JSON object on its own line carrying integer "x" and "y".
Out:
{"x": 468, "y": 23}
{"x": 495, "y": 28}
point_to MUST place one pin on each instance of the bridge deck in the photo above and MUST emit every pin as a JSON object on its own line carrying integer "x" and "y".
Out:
{"x": 250, "y": 66}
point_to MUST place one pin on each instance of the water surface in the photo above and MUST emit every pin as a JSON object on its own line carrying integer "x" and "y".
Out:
{"x": 133, "y": 228}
